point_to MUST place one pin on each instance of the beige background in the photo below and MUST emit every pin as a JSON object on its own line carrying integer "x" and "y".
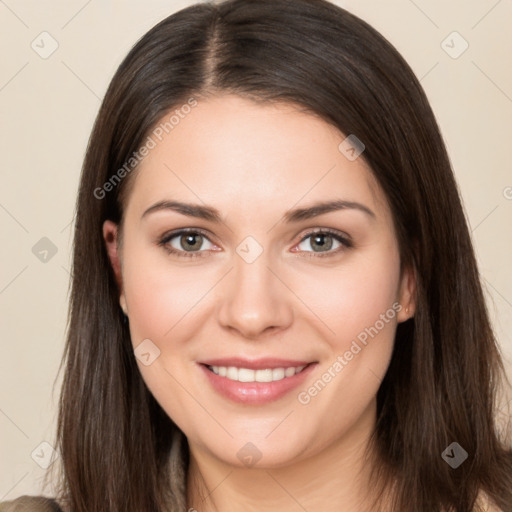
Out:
{"x": 47, "y": 109}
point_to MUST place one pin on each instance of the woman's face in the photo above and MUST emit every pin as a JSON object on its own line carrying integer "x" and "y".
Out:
{"x": 298, "y": 327}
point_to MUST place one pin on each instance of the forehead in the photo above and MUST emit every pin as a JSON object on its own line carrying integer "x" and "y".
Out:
{"x": 230, "y": 150}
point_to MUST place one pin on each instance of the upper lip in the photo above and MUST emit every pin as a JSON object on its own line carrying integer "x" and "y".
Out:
{"x": 255, "y": 364}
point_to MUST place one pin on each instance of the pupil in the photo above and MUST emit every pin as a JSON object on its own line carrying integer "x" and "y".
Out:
{"x": 323, "y": 245}
{"x": 188, "y": 239}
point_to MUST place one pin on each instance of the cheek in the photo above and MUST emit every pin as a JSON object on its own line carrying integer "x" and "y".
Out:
{"x": 359, "y": 303}
{"x": 353, "y": 296}
{"x": 160, "y": 296}
{"x": 161, "y": 301}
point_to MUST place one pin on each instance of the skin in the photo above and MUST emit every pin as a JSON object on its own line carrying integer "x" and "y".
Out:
{"x": 254, "y": 162}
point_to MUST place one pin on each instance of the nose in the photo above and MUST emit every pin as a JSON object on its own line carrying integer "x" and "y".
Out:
{"x": 254, "y": 299}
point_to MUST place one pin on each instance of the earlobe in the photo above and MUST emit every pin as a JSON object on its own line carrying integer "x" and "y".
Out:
{"x": 110, "y": 236}
{"x": 407, "y": 295}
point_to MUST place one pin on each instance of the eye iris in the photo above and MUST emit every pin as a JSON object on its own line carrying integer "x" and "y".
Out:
{"x": 322, "y": 244}
{"x": 187, "y": 238}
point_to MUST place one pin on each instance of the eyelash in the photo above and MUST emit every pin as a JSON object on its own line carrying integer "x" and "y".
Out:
{"x": 163, "y": 242}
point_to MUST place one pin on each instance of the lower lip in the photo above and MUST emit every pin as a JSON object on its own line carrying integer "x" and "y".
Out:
{"x": 255, "y": 392}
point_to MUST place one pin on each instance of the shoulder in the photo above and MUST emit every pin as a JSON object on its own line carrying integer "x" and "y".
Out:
{"x": 29, "y": 504}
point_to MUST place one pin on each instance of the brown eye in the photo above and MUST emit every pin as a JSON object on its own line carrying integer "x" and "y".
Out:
{"x": 186, "y": 243}
{"x": 192, "y": 241}
{"x": 323, "y": 242}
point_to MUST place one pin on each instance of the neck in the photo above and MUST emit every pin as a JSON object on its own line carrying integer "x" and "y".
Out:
{"x": 335, "y": 478}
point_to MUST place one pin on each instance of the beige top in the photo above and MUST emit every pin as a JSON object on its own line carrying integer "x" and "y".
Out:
{"x": 30, "y": 504}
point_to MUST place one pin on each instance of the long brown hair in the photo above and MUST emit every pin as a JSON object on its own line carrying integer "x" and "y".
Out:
{"x": 119, "y": 450}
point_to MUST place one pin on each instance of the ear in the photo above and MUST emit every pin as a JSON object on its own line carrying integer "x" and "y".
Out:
{"x": 407, "y": 294}
{"x": 110, "y": 235}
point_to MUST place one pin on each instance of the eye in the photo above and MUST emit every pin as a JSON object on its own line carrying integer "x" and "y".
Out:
{"x": 185, "y": 243}
{"x": 188, "y": 243}
{"x": 324, "y": 240}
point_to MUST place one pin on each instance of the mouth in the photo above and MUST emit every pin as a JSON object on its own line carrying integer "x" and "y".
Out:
{"x": 255, "y": 382}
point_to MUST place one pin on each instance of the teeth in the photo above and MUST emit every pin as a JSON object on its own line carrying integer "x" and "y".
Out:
{"x": 245, "y": 375}
{"x": 266, "y": 375}
{"x": 278, "y": 373}
{"x": 248, "y": 375}
{"x": 289, "y": 372}
{"x": 232, "y": 373}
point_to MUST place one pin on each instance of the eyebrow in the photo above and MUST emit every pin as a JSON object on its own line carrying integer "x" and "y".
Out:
{"x": 210, "y": 213}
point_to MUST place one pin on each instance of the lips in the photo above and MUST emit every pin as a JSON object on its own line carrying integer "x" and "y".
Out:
{"x": 255, "y": 381}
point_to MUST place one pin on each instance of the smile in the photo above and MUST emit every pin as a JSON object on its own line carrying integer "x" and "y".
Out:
{"x": 255, "y": 382}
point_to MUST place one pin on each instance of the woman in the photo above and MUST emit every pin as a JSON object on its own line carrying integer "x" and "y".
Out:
{"x": 275, "y": 302}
